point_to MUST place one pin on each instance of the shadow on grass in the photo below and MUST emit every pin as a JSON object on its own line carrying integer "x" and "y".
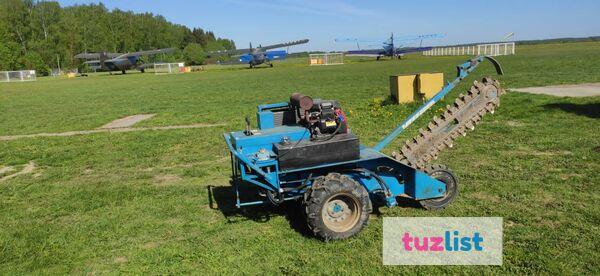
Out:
{"x": 222, "y": 198}
{"x": 591, "y": 110}
{"x": 388, "y": 101}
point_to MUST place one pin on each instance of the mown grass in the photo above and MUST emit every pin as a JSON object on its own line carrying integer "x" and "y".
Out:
{"x": 138, "y": 203}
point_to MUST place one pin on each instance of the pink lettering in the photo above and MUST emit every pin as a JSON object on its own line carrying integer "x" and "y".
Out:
{"x": 407, "y": 239}
{"x": 437, "y": 244}
{"x": 422, "y": 247}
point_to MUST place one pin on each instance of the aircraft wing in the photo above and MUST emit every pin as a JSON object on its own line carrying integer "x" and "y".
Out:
{"x": 95, "y": 55}
{"x": 239, "y": 52}
{"x": 236, "y": 52}
{"x": 148, "y": 53}
{"x": 281, "y": 45}
{"x": 366, "y": 53}
{"x": 412, "y": 50}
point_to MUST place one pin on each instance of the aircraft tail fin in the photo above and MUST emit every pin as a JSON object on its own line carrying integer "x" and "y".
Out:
{"x": 103, "y": 58}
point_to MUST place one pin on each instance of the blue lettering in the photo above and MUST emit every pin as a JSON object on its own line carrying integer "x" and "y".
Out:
{"x": 447, "y": 241}
{"x": 465, "y": 244}
{"x": 456, "y": 248}
{"x": 476, "y": 240}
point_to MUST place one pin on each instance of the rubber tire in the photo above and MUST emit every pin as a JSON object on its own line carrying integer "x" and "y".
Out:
{"x": 326, "y": 187}
{"x": 445, "y": 175}
{"x": 271, "y": 65}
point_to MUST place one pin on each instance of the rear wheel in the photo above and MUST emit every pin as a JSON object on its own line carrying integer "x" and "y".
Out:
{"x": 446, "y": 176}
{"x": 336, "y": 207}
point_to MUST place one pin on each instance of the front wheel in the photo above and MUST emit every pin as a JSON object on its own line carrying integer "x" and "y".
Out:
{"x": 441, "y": 173}
{"x": 336, "y": 207}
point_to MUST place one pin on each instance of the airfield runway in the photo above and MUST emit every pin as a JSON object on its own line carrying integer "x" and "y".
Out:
{"x": 570, "y": 90}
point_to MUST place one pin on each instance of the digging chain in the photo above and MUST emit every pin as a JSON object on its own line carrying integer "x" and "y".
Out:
{"x": 463, "y": 115}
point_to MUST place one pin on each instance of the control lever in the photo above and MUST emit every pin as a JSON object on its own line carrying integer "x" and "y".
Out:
{"x": 248, "y": 132}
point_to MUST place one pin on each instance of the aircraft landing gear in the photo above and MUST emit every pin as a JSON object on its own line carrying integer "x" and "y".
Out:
{"x": 143, "y": 70}
{"x": 378, "y": 57}
{"x": 271, "y": 65}
{"x": 123, "y": 71}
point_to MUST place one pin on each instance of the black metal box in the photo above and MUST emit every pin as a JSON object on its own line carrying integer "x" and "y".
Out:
{"x": 340, "y": 148}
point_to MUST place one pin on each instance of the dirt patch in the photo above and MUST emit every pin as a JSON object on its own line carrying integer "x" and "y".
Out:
{"x": 120, "y": 260}
{"x": 570, "y": 90}
{"x": 128, "y": 121}
{"x": 568, "y": 176}
{"x": 88, "y": 171}
{"x": 101, "y": 130}
{"x": 26, "y": 169}
{"x": 551, "y": 153}
{"x": 150, "y": 245}
{"x": 5, "y": 170}
{"x": 515, "y": 124}
{"x": 485, "y": 197}
{"x": 524, "y": 150}
{"x": 166, "y": 179}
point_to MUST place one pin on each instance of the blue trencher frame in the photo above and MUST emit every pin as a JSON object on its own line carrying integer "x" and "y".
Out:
{"x": 254, "y": 162}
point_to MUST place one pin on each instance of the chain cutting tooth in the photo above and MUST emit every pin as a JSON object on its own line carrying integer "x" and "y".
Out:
{"x": 443, "y": 130}
{"x": 430, "y": 126}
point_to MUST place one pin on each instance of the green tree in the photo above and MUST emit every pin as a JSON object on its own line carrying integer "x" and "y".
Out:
{"x": 194, "y": 54}
{"x": 35, "y": 33}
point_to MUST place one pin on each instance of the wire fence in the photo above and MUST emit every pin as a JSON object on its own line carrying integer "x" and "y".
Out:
{"x": 490, "y": 49}
{"x": 169, "y": 68}
{"x": 326, "y": 59}
{"x": 17, "y": 76}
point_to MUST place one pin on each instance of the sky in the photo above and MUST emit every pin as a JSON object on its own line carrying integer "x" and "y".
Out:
{"x": 322, "y": 21}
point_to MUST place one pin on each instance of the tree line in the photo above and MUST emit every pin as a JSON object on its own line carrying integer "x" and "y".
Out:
{"x": 41, "y": 35}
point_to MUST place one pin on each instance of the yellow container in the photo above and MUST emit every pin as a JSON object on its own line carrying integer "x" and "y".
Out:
{"x": 430, "y": 84}
{"x": 403, "y": 88}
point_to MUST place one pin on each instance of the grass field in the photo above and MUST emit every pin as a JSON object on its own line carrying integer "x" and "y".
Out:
{"x": 137, "y": 202}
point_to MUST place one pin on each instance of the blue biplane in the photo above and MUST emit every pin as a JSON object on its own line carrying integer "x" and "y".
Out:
{"x": 389, "y": 49}
{"x": 260, "y": 54}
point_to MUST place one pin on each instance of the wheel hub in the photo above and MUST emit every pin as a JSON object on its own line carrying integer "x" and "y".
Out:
{"x": 340, "y": 213}
{"x": 337, "y": 210}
